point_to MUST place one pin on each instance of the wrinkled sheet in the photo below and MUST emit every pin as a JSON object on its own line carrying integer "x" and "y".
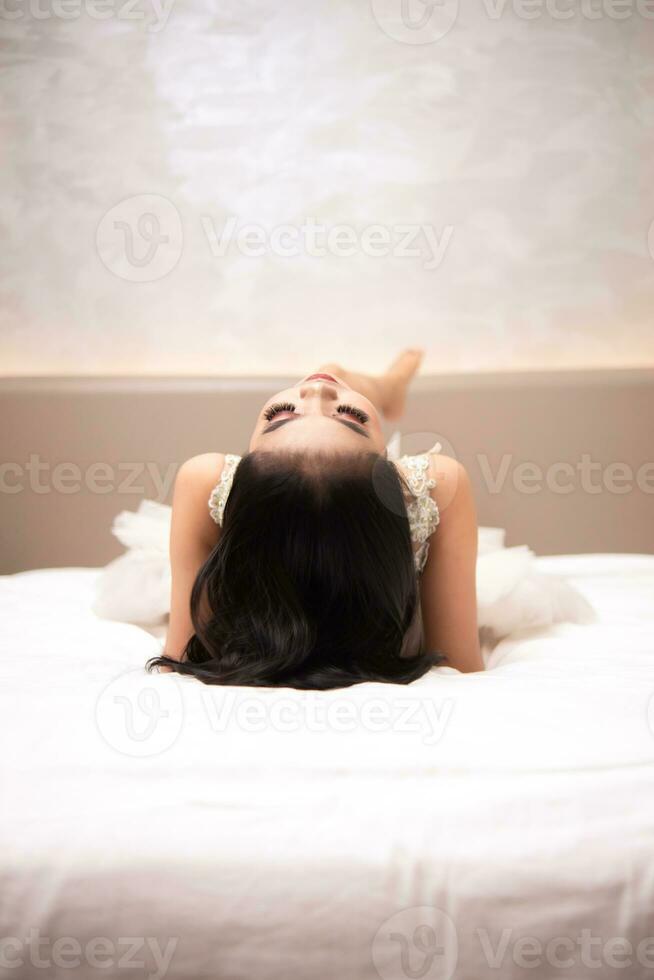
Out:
{"x": 497, "y": 824}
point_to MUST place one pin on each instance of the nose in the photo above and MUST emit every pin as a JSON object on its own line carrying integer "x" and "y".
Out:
{"x": 320, "y": 389}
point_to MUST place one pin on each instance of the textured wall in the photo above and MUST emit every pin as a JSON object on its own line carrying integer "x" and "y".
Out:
{"x": 505, "y": 143}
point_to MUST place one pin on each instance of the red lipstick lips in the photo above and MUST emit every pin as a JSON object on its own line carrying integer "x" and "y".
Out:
{"x": 327, "y": 377}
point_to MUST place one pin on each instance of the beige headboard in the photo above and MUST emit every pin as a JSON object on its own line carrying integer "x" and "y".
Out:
{"x": 564, "y": 461}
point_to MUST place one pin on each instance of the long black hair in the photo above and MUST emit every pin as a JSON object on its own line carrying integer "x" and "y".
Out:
{"x": 312, "y": 583}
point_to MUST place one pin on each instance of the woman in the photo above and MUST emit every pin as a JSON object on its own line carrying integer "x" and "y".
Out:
{"x": 316, "y": 562}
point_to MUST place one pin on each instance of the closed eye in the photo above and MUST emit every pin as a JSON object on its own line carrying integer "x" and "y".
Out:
{"x": 292, "y": 416}
{"x": 277, "y": 409}
{"x": 280, "y": 407}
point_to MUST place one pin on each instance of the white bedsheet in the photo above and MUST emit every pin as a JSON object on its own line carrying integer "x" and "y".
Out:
{"x": 228, "y": 833}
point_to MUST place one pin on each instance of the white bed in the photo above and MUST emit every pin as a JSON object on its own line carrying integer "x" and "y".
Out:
{"x": 276, "y": 841}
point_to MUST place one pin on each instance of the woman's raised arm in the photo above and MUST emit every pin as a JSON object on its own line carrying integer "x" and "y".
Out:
{"x": 448, "y": 584}
{"x": 193, "y": 536}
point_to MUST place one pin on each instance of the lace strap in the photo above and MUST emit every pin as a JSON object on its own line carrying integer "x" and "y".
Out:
{"x": 422, "y": 510}
{"x": 417, "y": 474}
{"x": 220, "y": 492}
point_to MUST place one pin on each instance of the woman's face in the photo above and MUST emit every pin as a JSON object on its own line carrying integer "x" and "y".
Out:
{"x": 319, "y": 413}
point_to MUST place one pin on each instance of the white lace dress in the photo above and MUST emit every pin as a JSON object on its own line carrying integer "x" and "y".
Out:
{"x": 511, "y": 594}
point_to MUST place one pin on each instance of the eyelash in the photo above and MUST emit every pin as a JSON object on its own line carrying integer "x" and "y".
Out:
{"x": 273, "y": 410}
{"x": 358, "y": 413}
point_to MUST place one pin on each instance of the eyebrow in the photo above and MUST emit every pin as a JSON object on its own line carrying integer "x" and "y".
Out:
{"x": 351, "y": 425}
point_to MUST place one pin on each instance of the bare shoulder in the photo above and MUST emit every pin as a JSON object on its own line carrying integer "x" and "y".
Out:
{"x": 192, "y": 523}
{"x": 453, "y": 490}
{"x": 200, "y": 473}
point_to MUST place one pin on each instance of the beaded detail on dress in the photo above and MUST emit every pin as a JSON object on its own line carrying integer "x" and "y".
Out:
{"x": 220, "y": 492}
{"x": 422, "y": 509}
